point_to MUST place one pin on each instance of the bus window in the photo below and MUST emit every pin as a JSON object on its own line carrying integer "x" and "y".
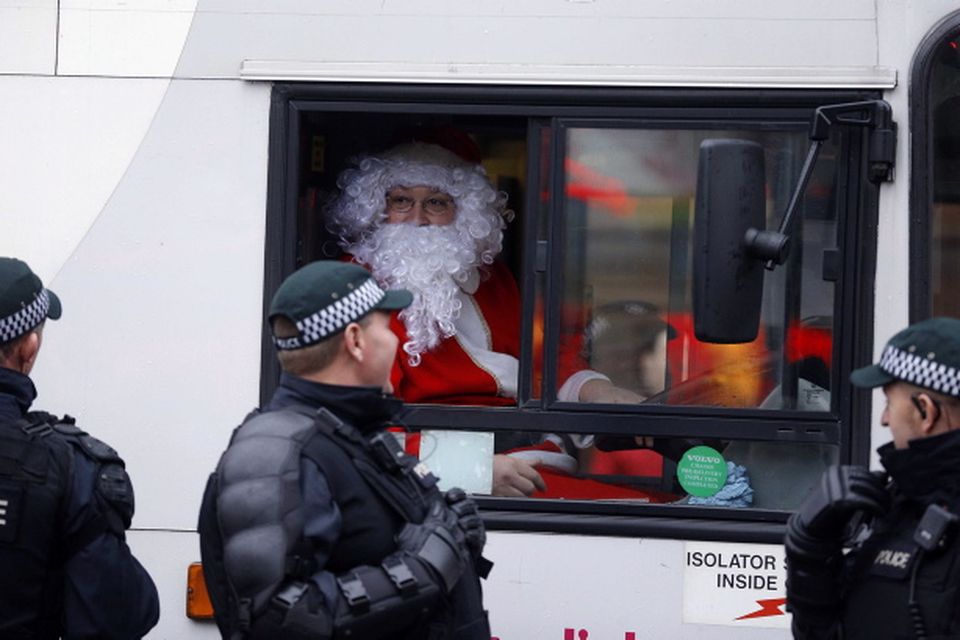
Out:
{"x": 626, "y": 305}
{"x": 600, "y": 249}
{"x": 944, "y": 90}
{"x": 935, "y": 165}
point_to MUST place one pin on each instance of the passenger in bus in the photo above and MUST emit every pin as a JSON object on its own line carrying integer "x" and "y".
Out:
{"x": 422, "y": 218}
{"x": 627, "y": 341}
{"x": 65, "y": 500}
{"x": 901, "y": 575}
{"x": 315, "y": 523}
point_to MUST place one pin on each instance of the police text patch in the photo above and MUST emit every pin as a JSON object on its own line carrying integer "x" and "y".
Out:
{"x": 894, "y": 559}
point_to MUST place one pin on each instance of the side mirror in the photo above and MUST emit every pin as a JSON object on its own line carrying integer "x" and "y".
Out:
{"x": 727, "y": 277}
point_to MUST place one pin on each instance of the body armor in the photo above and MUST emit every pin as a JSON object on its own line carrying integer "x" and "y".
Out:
{"x": 36, "y": 465}
{"x": 251, "y": 528}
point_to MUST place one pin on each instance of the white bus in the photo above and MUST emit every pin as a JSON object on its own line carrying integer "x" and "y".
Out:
{"x": 164, "y": 163}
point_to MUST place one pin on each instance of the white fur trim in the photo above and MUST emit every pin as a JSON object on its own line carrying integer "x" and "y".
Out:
{"x": 473, "y": 334}
{"x": 569, "y": 391}
{"x": 580, "y": 441}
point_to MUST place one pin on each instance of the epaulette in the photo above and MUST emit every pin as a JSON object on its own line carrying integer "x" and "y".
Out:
{"x": 41, "y": 423}
{"x": 96, "y": 449}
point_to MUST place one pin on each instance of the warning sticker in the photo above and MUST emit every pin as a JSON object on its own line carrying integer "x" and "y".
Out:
{"x": 702, "y": 471}
{"x": 734, "y": 584}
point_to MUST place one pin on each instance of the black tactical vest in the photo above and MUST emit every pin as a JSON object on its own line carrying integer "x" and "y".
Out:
{"x": 374, "y": 496}
{"x": 369, "y": 525}
{"x": 34, "y": 473}
{"x": 36, "y": 467}
{"x": 368, "y": 479}
{"x": 877, "y": 601}
{"x": 259, "y": 520}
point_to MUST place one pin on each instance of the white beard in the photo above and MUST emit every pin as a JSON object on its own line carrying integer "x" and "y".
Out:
{"x": 434, "y": 263}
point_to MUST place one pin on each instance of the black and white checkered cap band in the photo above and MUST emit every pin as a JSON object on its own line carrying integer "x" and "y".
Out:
{"x": 921, "y": 371}
{"x": 334, "y": 317}
{"x": 17, "y": 324}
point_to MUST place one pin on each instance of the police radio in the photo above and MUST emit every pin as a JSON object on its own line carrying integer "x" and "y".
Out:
{"x": 392, "y": 457}
{"x": 934, "y": 526}
{"x": 387, "y": 451}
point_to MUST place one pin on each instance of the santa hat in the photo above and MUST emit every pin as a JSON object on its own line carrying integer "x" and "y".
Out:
{"x": 447, "y": 136}
{"x": 360, "y": 207}
{"x": 420, "y": 164}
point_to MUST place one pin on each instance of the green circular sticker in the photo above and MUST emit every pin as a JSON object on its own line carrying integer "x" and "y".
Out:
{"x": 702, "y": 471}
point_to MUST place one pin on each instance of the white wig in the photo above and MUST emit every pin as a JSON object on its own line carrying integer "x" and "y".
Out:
{"x": 433, "y": 262}
{"x": 361, "y": 206}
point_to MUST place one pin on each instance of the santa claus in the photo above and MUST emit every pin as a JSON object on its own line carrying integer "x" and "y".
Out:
{"x": 423, "y": 219}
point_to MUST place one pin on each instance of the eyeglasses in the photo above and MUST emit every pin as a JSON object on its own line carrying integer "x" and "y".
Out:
{"x": 435, "y": 205}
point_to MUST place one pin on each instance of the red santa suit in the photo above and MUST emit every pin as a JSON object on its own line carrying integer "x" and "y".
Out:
{"x": 480, "y": 364}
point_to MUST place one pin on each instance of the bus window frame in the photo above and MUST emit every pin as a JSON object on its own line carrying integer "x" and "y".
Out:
{"x": 543, "y": 107}
{"x": 921, "y": 161}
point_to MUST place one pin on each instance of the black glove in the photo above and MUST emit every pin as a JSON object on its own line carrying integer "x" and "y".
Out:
{"x": 468, "y": 519}
{"x": 439, "y": 542}
{"x": 843, "y": 491}
{"x": 814, "y": 545}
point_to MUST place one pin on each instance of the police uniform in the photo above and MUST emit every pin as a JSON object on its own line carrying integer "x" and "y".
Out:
{"x": 315, "y": 524}
{"x": 65, "y": 502}
{"x": 890, "y": 564}
{"x": 901, "y": 576}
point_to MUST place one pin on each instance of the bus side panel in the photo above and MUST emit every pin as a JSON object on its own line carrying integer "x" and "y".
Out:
{"x": 568, "y": 587}
{"x": 397, "y": 37}
{"x": 66, "y": 144}
{"x": 166, "y": 555}
{"x": 28, "y": 37}
{"x": 158, "y": 350}
{"x": 137, "y": 39}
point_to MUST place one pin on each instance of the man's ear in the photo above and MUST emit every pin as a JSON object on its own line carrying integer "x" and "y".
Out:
{"x": 353, "y": 341}
{"x": 929, "y": 412}
{"x": 26, "y": 351}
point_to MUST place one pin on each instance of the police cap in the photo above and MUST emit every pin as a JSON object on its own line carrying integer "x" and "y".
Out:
{"x": 323, "y": 297}
{"x": 24, "y": 302}
{"x": 925, "y": 354}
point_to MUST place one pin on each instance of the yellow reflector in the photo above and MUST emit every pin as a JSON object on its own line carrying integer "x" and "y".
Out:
{"x": 199, "y": 606}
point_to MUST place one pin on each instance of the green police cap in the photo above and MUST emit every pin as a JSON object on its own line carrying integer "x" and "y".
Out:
{"x": 322, "y": 298}
{"x": 24, "y": 303}
{"x": 925, "y": 354}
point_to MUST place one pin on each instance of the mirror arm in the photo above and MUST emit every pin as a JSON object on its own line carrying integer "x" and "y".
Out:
{"x": 774, "y": 246}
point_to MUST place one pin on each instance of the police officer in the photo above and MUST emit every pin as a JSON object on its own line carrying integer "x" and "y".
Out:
{"x": 315, "y": 524}
{"x": 65, "y": 500}
{"x": 901, "y": 578}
